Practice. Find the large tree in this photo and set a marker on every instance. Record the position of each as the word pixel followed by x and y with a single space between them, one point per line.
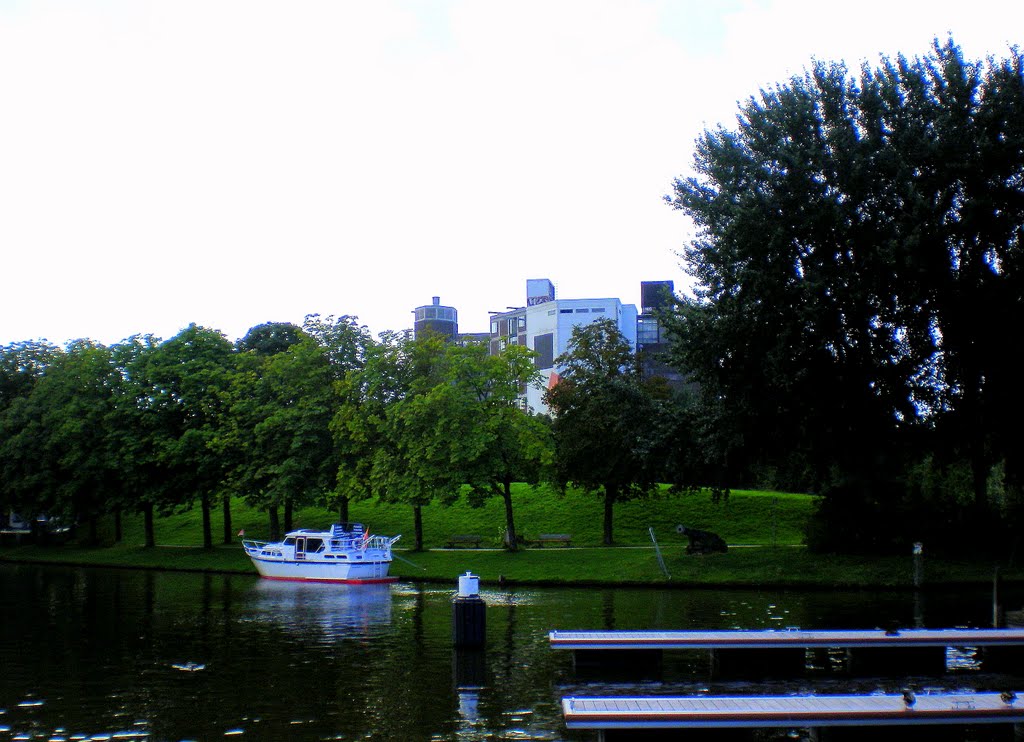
pixel 73 406
pixel 382 435
pixel 22 479
pixel 606 424
pixel 137 428
pixel 245 439
pixel 481 432
pixel 284 394
pixel 185 382
pixel 281 409
pixel 343 343
pixel 858 257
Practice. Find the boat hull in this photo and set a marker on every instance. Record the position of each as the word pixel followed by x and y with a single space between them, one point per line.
pixel 292 571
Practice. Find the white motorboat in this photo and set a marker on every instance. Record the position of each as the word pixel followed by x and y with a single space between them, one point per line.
pixel 346 553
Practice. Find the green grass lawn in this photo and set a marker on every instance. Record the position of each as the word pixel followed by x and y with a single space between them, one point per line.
pixel 745 518
pixel 764 530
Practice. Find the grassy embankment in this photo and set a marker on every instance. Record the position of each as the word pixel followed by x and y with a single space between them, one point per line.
pixel 764 530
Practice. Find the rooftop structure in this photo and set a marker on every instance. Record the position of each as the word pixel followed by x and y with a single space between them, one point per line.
pixel 437 319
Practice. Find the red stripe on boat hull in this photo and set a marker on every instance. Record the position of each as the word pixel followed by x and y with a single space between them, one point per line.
pixel 367 581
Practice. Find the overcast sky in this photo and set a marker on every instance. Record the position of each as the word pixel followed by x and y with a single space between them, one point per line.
pixel 233 163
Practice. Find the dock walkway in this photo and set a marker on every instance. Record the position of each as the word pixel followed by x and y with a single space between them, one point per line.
pixel 667 712
pixel 792 638
pixel 743 653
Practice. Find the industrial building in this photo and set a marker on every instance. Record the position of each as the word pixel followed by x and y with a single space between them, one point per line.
pixel 545 323
pixel 545 326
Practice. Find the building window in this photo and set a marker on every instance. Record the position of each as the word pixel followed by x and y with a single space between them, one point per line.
pixel 582 311
pixel 544 345
pixel 648 331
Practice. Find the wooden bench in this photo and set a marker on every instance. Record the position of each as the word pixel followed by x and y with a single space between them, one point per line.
pixel 464 539
pixel 554 538
pixel 15 535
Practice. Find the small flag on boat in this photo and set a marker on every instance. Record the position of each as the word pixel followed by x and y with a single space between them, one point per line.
pixel 241 532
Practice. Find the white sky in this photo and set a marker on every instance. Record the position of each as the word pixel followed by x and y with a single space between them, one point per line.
pixel 236 162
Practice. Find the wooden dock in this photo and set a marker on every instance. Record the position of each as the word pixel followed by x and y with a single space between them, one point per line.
pixel 783 653
pixel 731 712
pixel 791 638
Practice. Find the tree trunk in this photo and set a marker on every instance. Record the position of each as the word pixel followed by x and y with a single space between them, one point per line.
pixel 511 542
pixel 974 431
pixel 147 516
pixel 118 533
pixel 610 495
pixel 979 477
pixel 275 524
pixel 288 512
pixel 343 509
pixel 227 519
pixel 417 526
pixel 1014 495
pixel 207 530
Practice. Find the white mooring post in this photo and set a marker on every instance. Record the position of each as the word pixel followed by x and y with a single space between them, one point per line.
pixel 469 616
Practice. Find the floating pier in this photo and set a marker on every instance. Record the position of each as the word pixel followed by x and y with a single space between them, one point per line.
pixel 743 653
pixel 613 716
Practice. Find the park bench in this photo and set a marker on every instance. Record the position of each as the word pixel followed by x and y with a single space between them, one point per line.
pixel 564 539
pixel 15 535
pixel 464 539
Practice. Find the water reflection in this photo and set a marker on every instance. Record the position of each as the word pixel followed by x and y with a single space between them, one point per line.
pixel 99 654
pixel 323 611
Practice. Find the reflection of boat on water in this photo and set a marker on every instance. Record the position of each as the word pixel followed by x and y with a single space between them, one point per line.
pixel 345 553
pixel 337 611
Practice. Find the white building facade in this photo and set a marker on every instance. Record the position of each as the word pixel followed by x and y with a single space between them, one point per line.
pixel 545 326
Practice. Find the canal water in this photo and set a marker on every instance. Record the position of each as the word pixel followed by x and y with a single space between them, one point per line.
pixel 92 654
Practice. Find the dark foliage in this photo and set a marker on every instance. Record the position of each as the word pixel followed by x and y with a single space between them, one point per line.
pixel 858 271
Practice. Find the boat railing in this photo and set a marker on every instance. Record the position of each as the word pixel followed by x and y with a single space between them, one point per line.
pixel 361 543
pixel 380 542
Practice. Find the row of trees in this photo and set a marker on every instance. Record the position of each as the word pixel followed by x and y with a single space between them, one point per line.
pixel 320 414
pixel 860 293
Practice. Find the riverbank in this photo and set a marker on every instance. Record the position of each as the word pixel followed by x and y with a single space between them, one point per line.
pixel 764 531
pixel 763 567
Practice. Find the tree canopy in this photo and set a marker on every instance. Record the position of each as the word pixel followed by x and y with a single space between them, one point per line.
pixel 606 419
pixel 857 270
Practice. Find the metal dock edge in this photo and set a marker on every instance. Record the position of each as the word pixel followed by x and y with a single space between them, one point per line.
pixel 654 712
